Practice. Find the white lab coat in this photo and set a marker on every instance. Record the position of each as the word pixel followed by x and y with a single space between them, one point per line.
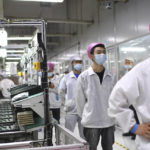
pixel 92 98
pixel 54 101
pixel 67 90
pixel 5 86
pixel 133 88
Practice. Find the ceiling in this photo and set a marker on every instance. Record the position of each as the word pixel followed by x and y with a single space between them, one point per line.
pixel 64 22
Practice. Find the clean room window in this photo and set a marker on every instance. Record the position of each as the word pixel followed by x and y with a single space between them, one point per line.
pixel 138 49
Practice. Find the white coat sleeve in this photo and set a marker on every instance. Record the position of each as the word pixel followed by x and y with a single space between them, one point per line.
pixel 125 93
pixel 80 98
pixel 62 90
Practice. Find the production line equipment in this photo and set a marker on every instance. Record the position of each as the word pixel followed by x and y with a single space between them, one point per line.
pixel 22 115
pixel 28 103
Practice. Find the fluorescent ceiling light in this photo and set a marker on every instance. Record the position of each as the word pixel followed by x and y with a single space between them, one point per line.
pixel 14 55
pixel 9 58
pixel 8 63
pixel 19 38
pixel 48 1
pixel 133 49
pixel 136 43
pixel 15 51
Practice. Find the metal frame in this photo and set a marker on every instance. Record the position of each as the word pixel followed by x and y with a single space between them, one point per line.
pixel 81 144
pixel 68 133
pixel 41 25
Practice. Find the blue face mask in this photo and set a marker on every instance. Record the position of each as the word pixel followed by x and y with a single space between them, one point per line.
pixel 40 74
pixel 50 74
pixel 78 67
pixel 100 59
pixel 127 67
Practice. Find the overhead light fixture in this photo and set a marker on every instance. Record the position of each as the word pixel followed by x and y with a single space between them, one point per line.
pixel 3 53
pixel 133 49
pixel 136 43
pixel 48 1
pixel 15 51
pixel 3 37
pixel 12 58
pixel 8 63
pixel 26 38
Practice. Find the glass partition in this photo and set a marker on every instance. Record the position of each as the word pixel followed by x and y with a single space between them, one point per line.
pixel 112 59
pixel 137 49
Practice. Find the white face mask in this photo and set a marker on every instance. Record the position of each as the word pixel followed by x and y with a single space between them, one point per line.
pixel 127 67
pixel 78 67
pixel 100 59
pixel 50 74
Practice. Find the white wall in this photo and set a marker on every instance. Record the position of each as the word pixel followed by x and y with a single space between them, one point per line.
pixel 123 22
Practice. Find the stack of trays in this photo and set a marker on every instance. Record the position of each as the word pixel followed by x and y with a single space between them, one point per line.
pixel 25 118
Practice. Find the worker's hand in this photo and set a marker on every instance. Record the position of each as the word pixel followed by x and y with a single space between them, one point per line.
pixel 144 130
pixel 51 86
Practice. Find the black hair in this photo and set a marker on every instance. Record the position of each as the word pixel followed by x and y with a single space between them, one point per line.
pixel 99 45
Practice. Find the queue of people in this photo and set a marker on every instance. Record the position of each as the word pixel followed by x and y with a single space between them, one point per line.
pixel 97 102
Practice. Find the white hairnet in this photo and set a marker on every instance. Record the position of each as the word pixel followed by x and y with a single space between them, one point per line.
pixel 66 69
pixel 75 58
pixel 131 59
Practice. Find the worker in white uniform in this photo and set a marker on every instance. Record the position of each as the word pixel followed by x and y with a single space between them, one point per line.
pixel 66 71
pixel 128 65
pixel 133 89
pixel 68 87
pixel 93 89
pixel 54 100
pixel 5 85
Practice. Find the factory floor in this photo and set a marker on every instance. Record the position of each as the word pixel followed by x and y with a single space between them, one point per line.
pixel 121 142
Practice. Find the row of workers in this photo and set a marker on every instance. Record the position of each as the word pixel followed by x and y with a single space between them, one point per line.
pixel 91 99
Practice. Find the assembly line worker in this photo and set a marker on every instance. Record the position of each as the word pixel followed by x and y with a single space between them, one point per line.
pixel 68 87
pixel 93 89
pixel 128 65
pixel 133 89
pixel 5 85
pixel 66 71
pixel 54 100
